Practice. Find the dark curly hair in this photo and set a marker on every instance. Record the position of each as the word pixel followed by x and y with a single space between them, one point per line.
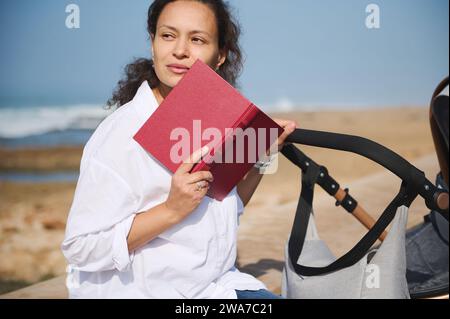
pixel 141 69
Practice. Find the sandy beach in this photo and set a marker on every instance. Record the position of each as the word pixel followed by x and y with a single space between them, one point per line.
pixel 33 216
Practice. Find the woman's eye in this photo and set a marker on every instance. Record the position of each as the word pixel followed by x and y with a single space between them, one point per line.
pixel 167 36
pixel 198 40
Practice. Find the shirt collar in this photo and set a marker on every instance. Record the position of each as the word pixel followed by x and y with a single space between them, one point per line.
pixel 145 100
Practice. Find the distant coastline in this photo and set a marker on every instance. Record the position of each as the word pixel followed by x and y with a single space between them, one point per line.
pixel 55 126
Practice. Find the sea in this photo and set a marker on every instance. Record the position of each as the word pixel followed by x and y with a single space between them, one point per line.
pixel 46 127
pixel 53 126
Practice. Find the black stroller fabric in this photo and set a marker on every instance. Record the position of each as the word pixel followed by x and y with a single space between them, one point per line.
pixel 427 257
pixel 427 244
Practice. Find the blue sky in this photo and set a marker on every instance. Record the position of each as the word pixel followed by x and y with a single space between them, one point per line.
pixel 303 52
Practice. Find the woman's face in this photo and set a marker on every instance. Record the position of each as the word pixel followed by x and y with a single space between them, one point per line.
pixel 186 31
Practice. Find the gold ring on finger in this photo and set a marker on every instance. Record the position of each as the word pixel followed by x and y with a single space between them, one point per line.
pixel 199 186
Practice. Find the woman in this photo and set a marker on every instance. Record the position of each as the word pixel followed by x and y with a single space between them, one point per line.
pixel 135 231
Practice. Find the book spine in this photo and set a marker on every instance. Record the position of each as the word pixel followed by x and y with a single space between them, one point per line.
pixel 243 122
pixel 247 117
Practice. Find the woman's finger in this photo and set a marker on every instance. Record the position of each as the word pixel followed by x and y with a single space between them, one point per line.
pixel 192 160
pixel 200 176
pixel 200 187
pixel 288 130
pixel 285 123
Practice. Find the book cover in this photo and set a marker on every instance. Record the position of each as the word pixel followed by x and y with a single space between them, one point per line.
pixel 204 109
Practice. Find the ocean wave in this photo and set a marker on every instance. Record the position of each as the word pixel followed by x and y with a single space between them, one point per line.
pixel 29 121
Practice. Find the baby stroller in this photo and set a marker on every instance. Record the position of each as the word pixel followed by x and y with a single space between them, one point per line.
pixel 427 244
pixel 414 265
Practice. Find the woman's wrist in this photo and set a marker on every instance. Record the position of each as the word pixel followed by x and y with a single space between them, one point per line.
pixel 173 216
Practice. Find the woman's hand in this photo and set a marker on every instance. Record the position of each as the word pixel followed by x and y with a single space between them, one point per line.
pixel 188 190
pixel 289 127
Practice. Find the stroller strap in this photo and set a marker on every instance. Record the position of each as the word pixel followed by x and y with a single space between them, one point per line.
pixel 435 199
pixel 311 174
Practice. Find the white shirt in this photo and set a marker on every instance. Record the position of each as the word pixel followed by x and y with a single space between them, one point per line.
pixel 119 179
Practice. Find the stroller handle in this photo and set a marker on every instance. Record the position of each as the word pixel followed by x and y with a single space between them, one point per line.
pixel 435 199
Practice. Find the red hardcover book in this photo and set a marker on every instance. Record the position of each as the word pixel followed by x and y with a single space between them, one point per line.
pixel 205 110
